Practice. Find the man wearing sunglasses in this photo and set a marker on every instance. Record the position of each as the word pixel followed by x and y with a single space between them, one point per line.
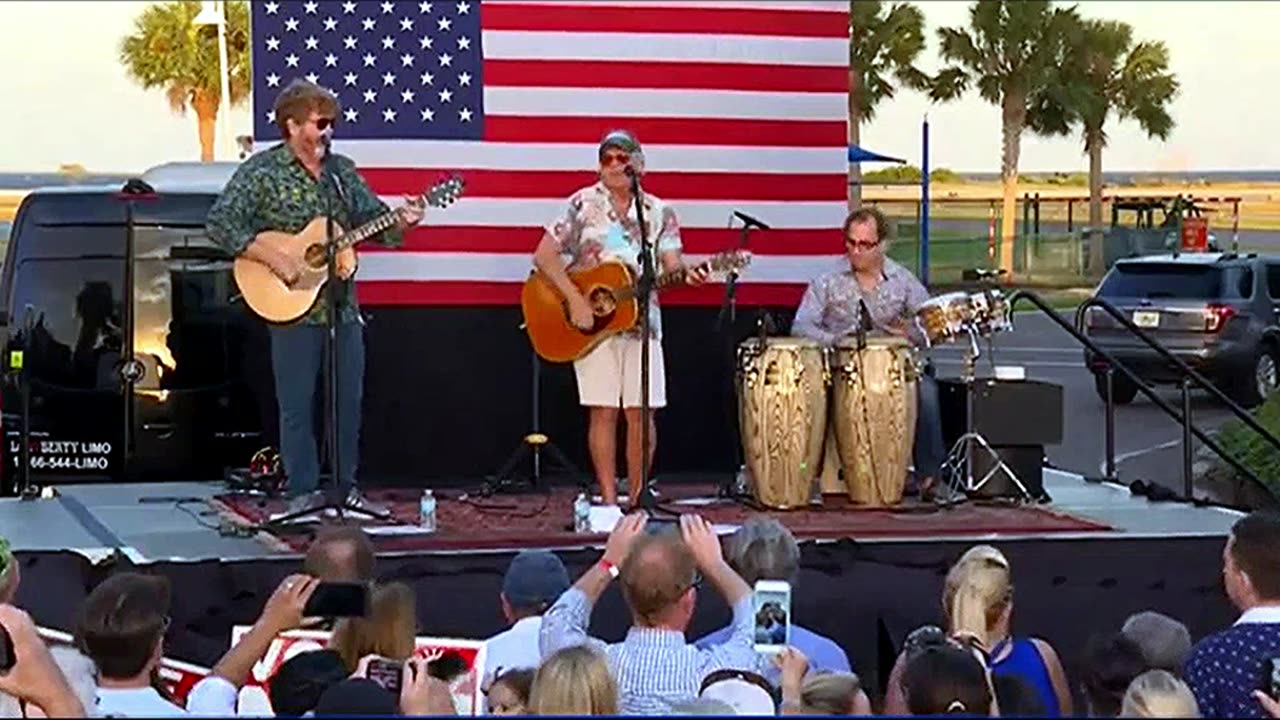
pixel 283 189
pixel 888 295
pixel 600 222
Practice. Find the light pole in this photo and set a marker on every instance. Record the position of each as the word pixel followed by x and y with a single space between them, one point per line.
pixel 212 12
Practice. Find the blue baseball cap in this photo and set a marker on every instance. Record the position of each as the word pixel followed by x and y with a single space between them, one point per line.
pixel 535 578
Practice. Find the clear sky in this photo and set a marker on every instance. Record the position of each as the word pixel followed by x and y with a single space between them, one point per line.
pixel 68 100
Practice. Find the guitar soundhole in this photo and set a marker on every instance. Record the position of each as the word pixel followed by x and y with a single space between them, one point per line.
pixel 315 256
pixel 603 303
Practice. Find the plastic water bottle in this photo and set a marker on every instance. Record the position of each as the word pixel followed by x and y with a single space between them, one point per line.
pixel 427 511
pixel 582 514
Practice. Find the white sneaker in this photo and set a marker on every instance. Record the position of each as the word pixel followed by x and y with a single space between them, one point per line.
pixel 357 500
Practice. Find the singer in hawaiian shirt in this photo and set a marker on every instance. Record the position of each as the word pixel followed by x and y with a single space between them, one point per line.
pixel 601 222
pixel 832 309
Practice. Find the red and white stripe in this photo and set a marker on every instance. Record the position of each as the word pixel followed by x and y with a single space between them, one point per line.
pixel 739 106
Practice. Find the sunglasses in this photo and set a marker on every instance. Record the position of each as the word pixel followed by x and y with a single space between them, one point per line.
pixel 611 158
pixel 861 245
pixel 323 124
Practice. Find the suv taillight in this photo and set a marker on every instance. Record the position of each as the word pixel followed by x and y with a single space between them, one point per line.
pixel 1215 316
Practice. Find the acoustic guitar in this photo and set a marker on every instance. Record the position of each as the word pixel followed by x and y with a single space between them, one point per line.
pixel 610 290
pixel 274 300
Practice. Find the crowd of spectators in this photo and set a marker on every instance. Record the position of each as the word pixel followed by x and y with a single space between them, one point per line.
pixel 547 663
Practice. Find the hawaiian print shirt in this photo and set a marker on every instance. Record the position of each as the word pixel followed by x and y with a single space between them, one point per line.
pixel 589 231
pixel 830 311
pixel 273 191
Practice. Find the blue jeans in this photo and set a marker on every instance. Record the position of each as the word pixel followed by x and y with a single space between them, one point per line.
pixel 299 361
pixel 930 449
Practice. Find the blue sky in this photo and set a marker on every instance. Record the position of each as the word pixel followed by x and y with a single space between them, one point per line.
pixel 73 104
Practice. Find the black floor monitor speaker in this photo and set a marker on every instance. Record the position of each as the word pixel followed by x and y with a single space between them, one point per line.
pixel 1017 418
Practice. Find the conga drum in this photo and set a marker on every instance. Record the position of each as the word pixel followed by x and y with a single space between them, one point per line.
pixel 782 413
pixel 873 399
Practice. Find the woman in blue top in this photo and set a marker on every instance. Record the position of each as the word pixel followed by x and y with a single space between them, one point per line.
pixel 977 600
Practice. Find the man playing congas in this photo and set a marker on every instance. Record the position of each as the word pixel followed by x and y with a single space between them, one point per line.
pixel 832 309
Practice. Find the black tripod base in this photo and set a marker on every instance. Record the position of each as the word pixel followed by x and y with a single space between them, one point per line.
pixel 648 502
pixel 531 447
pixel 341 509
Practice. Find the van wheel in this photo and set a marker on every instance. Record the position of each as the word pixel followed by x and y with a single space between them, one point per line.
pixel 1254 387
pixel 1123 390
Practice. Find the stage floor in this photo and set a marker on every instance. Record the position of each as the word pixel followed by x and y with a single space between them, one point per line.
pixel 181 521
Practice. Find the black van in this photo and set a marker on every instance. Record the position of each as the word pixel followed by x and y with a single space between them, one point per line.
pixel 127 355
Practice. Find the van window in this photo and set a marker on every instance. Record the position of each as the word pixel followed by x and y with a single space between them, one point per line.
pixel 183 314
pixel 74 307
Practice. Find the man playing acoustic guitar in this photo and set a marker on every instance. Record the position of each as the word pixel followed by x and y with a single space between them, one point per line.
pixel 599 222
pixel 283 189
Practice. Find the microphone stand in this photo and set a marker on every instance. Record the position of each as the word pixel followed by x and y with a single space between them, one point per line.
pixel 644 498
pixel 729 312
pixel 25 489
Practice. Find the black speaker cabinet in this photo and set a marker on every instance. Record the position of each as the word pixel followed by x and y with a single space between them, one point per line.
pixel 1017 418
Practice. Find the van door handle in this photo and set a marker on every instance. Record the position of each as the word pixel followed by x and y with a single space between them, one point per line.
pixel 164 430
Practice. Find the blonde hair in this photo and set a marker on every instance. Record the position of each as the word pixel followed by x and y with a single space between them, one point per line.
pixel 388 631
pixel 299 99
pixel 574 681
pixel 1158 694
pixel 830 693
pixel 978 589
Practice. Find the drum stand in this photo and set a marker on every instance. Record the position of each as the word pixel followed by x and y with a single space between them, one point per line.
pixel 958 467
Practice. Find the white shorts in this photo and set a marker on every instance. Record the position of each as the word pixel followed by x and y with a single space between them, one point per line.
pixel 609 376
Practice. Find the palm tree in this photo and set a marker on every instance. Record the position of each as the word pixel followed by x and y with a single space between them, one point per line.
pixel 881 45
pixel 1010 52
pixel 167 50
pixel 1104 72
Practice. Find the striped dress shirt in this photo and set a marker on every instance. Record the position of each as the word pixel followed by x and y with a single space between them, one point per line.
pixel 654 668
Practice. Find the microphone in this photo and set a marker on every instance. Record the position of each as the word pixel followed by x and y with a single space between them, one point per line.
pixel 326 143
pixel 750 220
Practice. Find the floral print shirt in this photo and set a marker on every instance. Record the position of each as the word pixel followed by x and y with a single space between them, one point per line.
pixel 273 191
pixel 830 311
pixel 589 231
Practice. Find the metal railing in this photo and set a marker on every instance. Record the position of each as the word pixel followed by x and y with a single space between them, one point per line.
pixel 1189 429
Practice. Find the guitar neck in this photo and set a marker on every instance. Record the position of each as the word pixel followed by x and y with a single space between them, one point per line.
pixel 386 221
pixel 664 281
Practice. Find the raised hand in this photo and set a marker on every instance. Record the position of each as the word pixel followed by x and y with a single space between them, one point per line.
pixel 35 676
pixel 624 535
pixel 702 542
pixel 284 608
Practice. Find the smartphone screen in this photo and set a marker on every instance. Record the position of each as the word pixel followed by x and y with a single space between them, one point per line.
pixel 1271 683
pixel 338 600
pixel 772 605
pixel 387 673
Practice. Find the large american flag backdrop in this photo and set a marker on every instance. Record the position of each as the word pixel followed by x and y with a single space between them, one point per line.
pixel 738 105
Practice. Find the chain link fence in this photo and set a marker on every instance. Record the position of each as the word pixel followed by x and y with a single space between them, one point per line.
pixel 1051 245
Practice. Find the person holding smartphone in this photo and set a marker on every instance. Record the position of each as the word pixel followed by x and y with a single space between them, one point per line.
pixel 660 572
pixel 764 551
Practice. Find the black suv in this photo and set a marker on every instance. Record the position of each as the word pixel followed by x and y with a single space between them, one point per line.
pixel 121 317
pixel 1214 311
